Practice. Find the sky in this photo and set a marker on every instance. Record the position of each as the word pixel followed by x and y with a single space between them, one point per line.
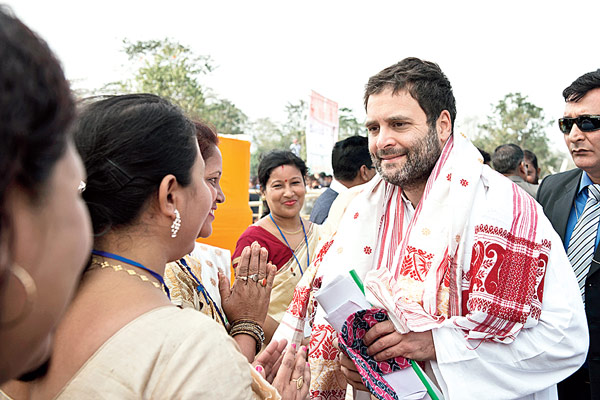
pixel 269 53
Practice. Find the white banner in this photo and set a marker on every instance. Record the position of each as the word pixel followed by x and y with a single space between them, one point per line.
pixel 322 127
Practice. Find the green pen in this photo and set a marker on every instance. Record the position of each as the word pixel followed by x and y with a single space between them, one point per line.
pixel 424 380
pixel 432 393
pixel 357 280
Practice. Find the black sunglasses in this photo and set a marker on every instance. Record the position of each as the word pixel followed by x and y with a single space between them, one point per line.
pixel 585 123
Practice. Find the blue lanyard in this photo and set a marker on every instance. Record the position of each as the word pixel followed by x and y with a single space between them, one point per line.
pixel 290 247
pixel 202 289
pixel 136 264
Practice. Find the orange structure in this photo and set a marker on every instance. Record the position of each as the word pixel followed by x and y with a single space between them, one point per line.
pixel 235 215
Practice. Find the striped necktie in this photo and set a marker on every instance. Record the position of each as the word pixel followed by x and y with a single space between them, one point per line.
pixel 583 239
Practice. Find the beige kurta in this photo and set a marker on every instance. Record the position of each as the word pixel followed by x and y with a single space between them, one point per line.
pixel 168 353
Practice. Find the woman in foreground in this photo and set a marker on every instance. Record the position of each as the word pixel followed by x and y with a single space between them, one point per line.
pixel 122 337
pixel 45 233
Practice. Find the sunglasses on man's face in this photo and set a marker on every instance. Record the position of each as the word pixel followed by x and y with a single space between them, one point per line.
pixel 585 123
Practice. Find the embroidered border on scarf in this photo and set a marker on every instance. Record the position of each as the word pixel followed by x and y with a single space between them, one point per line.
pixel 430 281
pixel 505 281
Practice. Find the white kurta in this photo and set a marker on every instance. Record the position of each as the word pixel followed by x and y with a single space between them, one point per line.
pixel 496 370
pixel 540 356
pixel 526 364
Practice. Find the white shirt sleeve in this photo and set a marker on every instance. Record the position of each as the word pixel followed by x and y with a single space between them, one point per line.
pixel 539 357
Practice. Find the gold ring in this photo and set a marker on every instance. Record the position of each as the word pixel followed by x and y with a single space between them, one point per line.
pixel 263 283
pixel 299 382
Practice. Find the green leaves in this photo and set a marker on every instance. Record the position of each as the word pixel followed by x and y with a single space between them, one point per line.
pixel 516 120
pixel 171 70
pixel 349 125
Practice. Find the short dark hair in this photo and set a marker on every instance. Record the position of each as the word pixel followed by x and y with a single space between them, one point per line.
pixel 423 80
pixel 207 138
pixel 277 158
pixel 36 109
pixel 580 86
pixel 531 157
pixel 486 156
pixel 128 144
pixel 507 157
pixel 348 156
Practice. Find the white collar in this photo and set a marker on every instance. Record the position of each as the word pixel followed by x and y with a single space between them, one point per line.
pixel 337 186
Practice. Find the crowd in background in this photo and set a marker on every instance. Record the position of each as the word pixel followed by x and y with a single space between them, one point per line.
pixel 107 294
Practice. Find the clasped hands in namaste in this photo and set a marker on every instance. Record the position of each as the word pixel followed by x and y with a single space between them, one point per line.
pixel 249 296
pixel 286 369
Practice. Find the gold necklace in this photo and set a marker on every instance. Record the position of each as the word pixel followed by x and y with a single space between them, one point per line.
pixel 131 272
pixel 291 233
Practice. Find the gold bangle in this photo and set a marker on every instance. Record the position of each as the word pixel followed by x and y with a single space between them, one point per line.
pixel 248 327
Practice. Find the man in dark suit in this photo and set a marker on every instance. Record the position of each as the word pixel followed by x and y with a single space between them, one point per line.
pixel 352 166
pixel 569 201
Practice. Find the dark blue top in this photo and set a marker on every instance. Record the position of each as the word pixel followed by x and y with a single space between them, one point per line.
pixel 320 210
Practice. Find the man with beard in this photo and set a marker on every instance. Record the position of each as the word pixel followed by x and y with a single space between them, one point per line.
pixel 458 264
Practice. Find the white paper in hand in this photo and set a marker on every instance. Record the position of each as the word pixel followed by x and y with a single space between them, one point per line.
pixel 339 300
pixel 339 291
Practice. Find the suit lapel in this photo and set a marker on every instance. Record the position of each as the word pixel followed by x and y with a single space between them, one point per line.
pixel 595 262
pixel 563 204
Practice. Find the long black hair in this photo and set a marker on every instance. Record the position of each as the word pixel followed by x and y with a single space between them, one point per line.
pixel 128 144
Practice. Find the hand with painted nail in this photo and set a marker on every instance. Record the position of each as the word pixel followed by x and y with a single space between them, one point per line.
pixel 249 296
pixel 293 377
pixel 270 359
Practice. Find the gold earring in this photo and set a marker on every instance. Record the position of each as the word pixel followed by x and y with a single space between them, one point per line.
pixel 30 290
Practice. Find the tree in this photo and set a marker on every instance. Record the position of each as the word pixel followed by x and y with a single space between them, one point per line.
pixel 295 125
pixel 515 120
pixel 266 136
pixel 171 70
pixel 349 125
pixel 225 116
